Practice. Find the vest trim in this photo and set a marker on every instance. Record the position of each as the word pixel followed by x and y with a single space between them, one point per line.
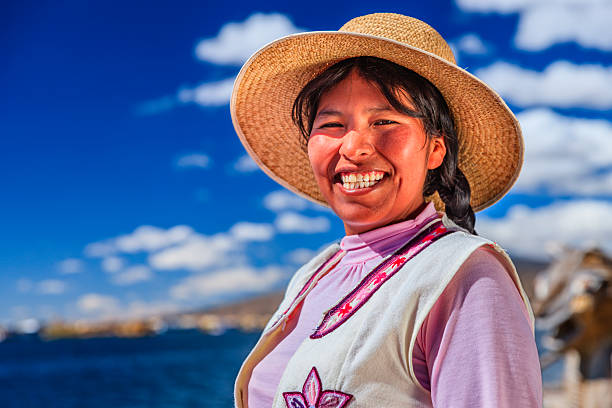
pixel 366 288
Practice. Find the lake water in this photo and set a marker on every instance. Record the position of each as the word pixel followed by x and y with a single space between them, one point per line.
pixel 176 369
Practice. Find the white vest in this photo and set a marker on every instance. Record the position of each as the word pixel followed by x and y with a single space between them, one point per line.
pixel 367 360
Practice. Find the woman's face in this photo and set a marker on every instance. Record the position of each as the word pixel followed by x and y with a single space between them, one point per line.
pixel 369 160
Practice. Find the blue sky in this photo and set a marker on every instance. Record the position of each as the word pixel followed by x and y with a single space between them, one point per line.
pixel 124 189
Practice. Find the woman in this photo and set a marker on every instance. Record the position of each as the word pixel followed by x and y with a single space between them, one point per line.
pixel 412 308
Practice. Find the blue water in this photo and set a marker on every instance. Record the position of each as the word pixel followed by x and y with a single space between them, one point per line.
pixel 176 369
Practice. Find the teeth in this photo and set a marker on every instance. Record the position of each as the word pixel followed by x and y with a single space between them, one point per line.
pixel 353 181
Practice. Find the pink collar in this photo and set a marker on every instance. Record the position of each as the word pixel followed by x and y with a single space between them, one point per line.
pixel 384 240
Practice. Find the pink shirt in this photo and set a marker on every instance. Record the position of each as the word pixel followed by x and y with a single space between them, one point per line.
pixel 475 348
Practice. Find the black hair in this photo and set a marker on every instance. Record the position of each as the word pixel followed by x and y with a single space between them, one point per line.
pixel 394 82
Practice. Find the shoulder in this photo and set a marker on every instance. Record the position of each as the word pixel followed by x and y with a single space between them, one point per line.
pixel 303 275
pixel 482 267
pixel 486 270
pixel 486 282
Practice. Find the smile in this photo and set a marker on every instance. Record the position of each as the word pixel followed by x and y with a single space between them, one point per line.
pixel 355 181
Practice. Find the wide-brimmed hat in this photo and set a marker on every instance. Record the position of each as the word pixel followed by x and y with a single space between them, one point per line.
pixel 490 141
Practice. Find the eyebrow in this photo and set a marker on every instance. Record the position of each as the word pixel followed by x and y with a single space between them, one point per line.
pixel 329 112
pixel 376 109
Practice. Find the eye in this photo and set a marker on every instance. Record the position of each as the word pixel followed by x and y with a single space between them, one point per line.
pixel 330 125
pixel 382 122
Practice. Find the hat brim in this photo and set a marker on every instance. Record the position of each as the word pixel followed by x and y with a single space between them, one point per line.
pixel 490 141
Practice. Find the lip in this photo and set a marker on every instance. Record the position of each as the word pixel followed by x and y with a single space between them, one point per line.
pixel 340 170
pixel 359 191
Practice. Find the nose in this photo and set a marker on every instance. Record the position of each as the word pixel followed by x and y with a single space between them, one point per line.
pixel 356 145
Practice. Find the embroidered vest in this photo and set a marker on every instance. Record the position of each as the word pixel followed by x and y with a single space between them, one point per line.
pixel 361 353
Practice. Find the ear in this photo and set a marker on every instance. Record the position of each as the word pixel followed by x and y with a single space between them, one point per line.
pixel 437 151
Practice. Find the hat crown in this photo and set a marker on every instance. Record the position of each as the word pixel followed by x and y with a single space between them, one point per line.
pixel 407 30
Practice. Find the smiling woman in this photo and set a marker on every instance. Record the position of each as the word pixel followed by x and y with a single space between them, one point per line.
pixel 412 308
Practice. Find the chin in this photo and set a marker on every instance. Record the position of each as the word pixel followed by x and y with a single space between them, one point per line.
pixel 361 220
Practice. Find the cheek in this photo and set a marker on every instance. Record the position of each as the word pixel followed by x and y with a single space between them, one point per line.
pixel 402 150
pixel 321 154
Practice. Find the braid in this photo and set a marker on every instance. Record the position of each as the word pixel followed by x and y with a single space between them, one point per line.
pixel 452 186
pixel 455 194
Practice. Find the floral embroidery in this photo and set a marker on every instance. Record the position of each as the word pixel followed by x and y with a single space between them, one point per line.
pixel 344 310
pixel 312 397
pixel 399 261
pixel 379 278
pixel 375 279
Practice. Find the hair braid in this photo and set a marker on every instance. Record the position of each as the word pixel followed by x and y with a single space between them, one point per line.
pixel 454 190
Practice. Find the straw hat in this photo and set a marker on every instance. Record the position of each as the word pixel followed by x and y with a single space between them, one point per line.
pixel 490 141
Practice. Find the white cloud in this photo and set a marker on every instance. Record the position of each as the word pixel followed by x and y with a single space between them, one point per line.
pixel 562 84
pixel 104 306
pixel 94 303
pixel 193 160
pixel 543 26
pixel 70 266
pixel 526 231
pixel 489 6
pixel 237 41
pixel 284 200
pixel 565 155
pixel 27 326
pixel 227 281
pixel 112 264
pixel 300 256
pixel 100 249
pixel 196 254
pixel 514 6
pixel 139 309
pixel 292 222
pixel 544 23
pixel 249 231
pixel 209 93
pixel 472 44
pixel 233 45
pixel 245 164
pixel 149 238
pixel 51 287
pixel 132 275
pixel 144 238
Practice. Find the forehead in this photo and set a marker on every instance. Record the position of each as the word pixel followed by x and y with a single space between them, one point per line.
pixel 356 91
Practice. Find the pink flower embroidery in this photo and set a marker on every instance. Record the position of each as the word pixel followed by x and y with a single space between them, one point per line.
pixel 345 309
pixel 379 278
pixel 312 397
pixel 397 262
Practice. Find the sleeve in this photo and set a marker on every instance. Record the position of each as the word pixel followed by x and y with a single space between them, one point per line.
pixel 476 347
